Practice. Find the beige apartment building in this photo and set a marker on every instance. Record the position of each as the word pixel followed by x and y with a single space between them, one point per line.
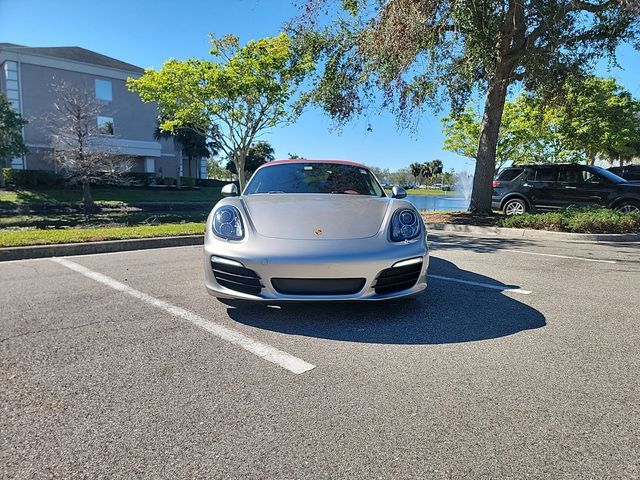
pixel 27 75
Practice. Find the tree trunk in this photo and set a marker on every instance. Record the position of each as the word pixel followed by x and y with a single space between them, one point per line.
pixel 87 198
pixel 178 164
pixel 240 161
pixel 487 145
pixel 621 161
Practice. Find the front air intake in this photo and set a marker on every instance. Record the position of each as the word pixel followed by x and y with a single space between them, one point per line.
pixel 236 278
pixel 396 279
pixel 318 286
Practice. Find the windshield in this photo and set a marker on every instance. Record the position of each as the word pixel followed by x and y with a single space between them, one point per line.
pixel 314 177
pixel 612 177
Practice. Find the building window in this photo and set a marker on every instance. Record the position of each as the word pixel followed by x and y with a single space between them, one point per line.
pixel 105 125
pixel 104 90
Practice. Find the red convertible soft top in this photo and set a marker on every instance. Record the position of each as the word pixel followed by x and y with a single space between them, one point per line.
pixel 307 160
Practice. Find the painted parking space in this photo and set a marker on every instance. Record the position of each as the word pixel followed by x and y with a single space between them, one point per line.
pixel 453 376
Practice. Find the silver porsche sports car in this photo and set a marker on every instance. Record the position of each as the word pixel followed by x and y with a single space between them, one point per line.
pixel 314 230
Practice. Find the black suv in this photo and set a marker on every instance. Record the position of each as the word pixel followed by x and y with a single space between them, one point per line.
pixel 529 188
pixel 630 173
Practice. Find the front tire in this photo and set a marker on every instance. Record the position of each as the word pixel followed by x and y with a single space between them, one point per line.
pixel 514 206
pixel 629 206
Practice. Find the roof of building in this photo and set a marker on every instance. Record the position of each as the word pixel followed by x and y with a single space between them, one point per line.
pixel 76 54
pixel 307 160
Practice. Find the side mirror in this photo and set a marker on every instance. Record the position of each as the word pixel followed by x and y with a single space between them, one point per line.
pixel 398 192
pixel 230 190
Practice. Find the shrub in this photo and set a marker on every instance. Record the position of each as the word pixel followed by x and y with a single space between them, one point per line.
pixel 577 220
pixel 168 181
pixel 31 178
pixel 211 182
pixel 188 181
pixel 49 179
pixel 143 178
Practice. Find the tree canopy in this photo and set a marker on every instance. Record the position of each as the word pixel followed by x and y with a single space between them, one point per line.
pixel 259 153
pixel 418 52
pixel 596 117
pixel 244 90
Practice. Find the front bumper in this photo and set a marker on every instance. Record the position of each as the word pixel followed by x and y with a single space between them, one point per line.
pixel 315 259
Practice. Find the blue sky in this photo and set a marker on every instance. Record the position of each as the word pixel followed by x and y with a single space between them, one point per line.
pixel 147 32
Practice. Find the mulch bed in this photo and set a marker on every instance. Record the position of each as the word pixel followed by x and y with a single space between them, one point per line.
pixel 461 218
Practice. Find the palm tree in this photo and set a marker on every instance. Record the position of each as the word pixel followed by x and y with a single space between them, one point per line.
pixel 193 144
pixel 416 171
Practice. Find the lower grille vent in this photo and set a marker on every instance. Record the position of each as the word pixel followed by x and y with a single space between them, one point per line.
pixel 318 286
pixel 236 278
pixel 396 279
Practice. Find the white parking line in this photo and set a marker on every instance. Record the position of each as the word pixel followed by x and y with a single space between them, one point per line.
pixel 584 259
pixel 484 285
pixel 262 350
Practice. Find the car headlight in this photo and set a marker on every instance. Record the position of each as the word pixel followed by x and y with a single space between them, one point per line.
pixel 405 225
pixel 227 223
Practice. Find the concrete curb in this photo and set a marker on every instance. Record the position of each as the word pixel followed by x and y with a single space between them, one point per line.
pixel 69 249
pixel 533 234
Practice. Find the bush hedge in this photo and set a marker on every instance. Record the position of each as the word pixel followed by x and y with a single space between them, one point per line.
pixel 142 178
pixel 31 178
pixel 188 181
pixel 168 181
pixel 211 182
pixel 577 220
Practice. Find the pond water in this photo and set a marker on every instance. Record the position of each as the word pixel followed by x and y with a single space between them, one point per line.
pixel 438 203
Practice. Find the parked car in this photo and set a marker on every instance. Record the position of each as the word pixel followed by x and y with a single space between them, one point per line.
pixel 530 188
pixel 631 173
pixel 314 230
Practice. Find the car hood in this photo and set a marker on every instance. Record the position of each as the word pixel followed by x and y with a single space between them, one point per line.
pixel 310 216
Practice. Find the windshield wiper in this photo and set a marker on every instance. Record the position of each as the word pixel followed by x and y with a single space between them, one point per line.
pixel 275 191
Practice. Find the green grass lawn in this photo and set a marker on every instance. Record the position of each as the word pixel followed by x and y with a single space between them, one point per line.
pixel 109 219
pixel 16 238
pixel 106 195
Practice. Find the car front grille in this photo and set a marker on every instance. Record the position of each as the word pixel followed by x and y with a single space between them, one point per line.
pixel 396 279
pixel 236 278
pixel 318 286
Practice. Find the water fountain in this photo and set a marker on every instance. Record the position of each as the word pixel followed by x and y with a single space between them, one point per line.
pixel 464 184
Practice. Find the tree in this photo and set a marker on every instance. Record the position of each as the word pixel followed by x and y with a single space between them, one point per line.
pixel 449 178
pixel 401 178
pixel 416 51
pixel 259 153
pixel 245 90
pixel 595 117
pixel 80 148
pixel 432 169
pixel 11 141
pixel 416 170
pixel 215 170
pixel 599 118
pixel 525 135
pixel 192 142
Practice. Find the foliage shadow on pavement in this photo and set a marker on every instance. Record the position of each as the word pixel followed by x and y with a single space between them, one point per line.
pixel 448 312
pixel 475 244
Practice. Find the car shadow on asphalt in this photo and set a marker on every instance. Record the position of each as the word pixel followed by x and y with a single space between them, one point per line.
pixel 475 244
pixel 448 312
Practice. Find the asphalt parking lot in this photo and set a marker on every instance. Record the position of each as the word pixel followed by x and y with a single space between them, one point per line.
pixel 520 360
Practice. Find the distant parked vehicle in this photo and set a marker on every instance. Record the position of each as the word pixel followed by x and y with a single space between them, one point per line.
pixel 631 173
pixel 530 188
